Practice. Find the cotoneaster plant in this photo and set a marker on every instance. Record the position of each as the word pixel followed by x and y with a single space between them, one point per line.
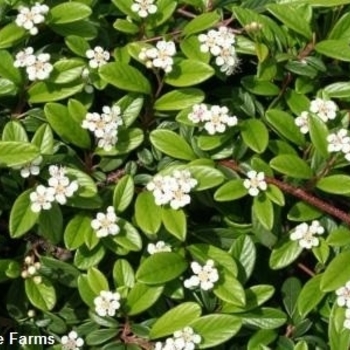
pixel 175 174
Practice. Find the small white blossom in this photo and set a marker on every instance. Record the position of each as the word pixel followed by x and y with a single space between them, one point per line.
pixel 186 339
pixel 198 113
pixel 302 122
pixel 210 42
pixel 144 7
pixel 343 295
pixel 339 141
pixel 25 58
pixel 41 68
pixel 305 234
pixel 42 198
pixel 98 57
pixel 160 56
pixel 255 182
pixel 169 344
pixel 106 224
pixel 31 168
pixel 347 319
pixel 27 18
pixel 107 303
pixel 324 109
pixel 217 119
pixel 204 276
pixel 31 267
pixel 160 246
pixel 71 341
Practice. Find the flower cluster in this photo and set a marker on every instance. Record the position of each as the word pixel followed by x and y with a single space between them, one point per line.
pixel 185 339
pixel 27 18
pixel 160 56
pixel 60 188
pixel 343 300
pixel 339 142
pixel 255 182
pixel 144 7
pixel 323 109
pixel 32 168
pixel 106 224
pixel 204 276
pixel 107 303
pixel 98 57
pixel 172 189
pixel 220 43
pixel 159 247
pixel 104 126
pixel 38 67
pixel 31 268
pixel 71 341
pixel 215 118
pixel 305 234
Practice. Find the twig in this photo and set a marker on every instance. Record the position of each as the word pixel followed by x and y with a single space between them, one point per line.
pixel 306 269
pixel 186 13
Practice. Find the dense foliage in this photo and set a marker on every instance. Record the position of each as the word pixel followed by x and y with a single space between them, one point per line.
pixel 175 174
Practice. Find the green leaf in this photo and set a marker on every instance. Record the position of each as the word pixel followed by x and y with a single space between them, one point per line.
pixel 188 73
pixel 14 131
pixel 175 222
pixel 69 12
pixel 338 90
pixel 291 17
pixel 65 126
pixel 310 296
pixel 255 135
pixel 43 139
pixel 263 210
pixel 190 46
pixel 14 153
pixel 123 274
pixel 210 142
pixel 43 91
pixel 51 224
pixel 125 26
pixel 85 258
pixel 326 3
pixel 265 318
pixel 7 68
pixel 11 34
pixel 85 28
pixel 123 193
pixel 129 238
pixel 77 45
pixel 292 166
pixel 230 191
pixel 215 329
pixel 147 214
pixel 7 88
pixel 229 289
pixel 130 105
pixel 42 295
pixel 341 29
pixel 336 273
pixel 125 77
pixel 259 87
pixel 97 281
pixel 283 123
pixel 338 335
pixel 302 211
pixel 284 254
pixel 66 71
pixel 275 195
pixel 297 102
pixel 336 184
pixel 22 218
pixel 175 319
pixel 160 268
pixel 87 186
pixel 179 99
pixel 74 234
pixel 339 237
pixel 165 10
pixel 172 144
pixel 100 336
pixel 85 291
pixel 201 23
pixel 142 297
pixel 338 49
pixel 318 135
pixel 206 176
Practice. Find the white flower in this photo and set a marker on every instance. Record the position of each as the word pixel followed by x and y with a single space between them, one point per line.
pixel 255 182
pixel 144 7
pixel 302 122
pixel 198 113
pixel 217 119
pixel 180 198
pixel 343 295
pixel 160 246
pixel 41 67
pixel 305 234
pixel 159 56
pixel 184 180
pixel 324 109
pixel 29 17
pixel 107 303
pixel 25 58
pixel 339 141
pixel 30 267
pixel 227 60
pixel 31 168
pixel 347 319
pixel 168 345
pixel 71 341
pixel 105 224
pixel 204 276
pixel 98 57
pixel 42 198
pixel 210 42
pixel 186 339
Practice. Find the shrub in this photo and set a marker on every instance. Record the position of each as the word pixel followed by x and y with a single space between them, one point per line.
pixel 174 174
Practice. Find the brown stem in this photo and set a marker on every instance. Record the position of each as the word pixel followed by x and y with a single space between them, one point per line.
pixel 186 13
pixel 306 269
pixel 299 193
